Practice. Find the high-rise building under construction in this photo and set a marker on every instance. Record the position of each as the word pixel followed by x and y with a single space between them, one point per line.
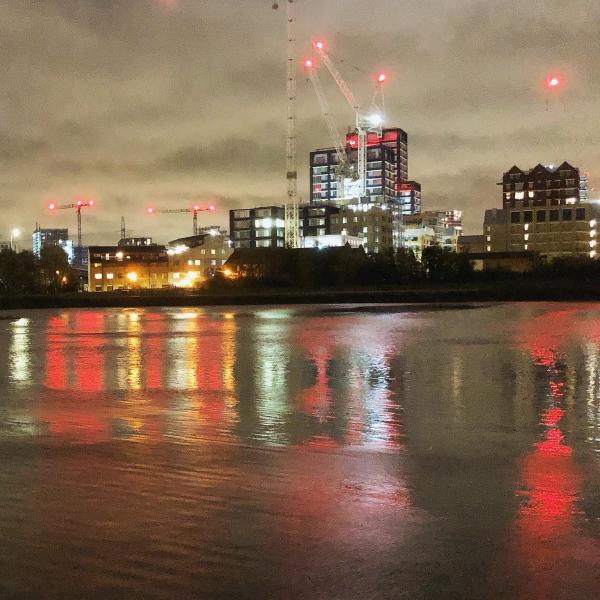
pixel 387 171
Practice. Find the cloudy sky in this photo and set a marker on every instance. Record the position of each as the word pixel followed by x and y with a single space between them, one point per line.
pixel 140 102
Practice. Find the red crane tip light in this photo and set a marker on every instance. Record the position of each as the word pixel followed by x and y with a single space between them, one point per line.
pixel 308 63
pixel 196 207
pixel 79 203
pixel 319 45
pixel 381 77
pixel 211 207
pixel 51 206
pixel 553 82
pixel 91 203
pixel 149 210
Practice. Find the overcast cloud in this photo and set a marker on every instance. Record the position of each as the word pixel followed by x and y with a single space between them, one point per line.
pixel 139 102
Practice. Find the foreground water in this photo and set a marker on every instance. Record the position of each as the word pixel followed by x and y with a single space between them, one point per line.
pixel 315 452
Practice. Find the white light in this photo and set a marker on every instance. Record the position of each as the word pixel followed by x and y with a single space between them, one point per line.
pixel 267 223
pixel 519 195
pixel 375 120
pixel 15 233
pixel 213 232
pixel 526 226
pixel 592 243
pixel 592 253
pixel 119 255
pixel 593 233
pixel 110 276
pixel 593 223
pixel 98 276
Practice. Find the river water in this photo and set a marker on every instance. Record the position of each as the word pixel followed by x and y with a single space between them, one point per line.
pixel 301 452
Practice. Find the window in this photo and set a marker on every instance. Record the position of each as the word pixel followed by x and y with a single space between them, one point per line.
pixel 567 214
pixel 580 214
pixel 263 243
pixel 241 224
pixel 540 216
pixel 110 276
pixel 213 251
pixel 197 262
pixel 527 216
pixel 344 220
pixel 553 215
pixel 241 214
pixel 263 212
pixel 515 217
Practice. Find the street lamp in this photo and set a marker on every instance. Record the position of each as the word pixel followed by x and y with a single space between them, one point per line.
pixel 15 234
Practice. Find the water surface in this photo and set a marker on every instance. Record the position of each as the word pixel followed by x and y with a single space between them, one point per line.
pixel 301 452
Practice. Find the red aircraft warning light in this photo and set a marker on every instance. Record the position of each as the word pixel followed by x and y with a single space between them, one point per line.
pixel 553 82
pixel 318 44
pixel 308 63
pixel 381 77
pixel 149 210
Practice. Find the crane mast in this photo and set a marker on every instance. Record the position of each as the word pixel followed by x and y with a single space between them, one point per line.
pixel 292 221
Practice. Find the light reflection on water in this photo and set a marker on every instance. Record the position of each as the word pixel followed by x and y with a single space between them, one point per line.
pixel 311 440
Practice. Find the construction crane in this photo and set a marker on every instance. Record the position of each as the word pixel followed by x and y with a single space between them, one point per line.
pixel 292 219
pixel 194 210
pixel 364 124
pixel 77 206
pixel 343 168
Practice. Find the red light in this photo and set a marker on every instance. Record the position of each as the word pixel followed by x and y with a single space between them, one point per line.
pixel 51 206
pixel 211 207
pixel 553 81
pixel 308 63
pixel 196 207
pixel 91 203
pixel 381 77
pixel 79 203
pixel 150 210
pixel 319 45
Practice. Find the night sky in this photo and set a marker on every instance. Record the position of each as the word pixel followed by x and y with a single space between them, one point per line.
pixel 140 102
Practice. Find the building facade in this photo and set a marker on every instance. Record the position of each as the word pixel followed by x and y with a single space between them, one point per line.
pixel 46 238
pixel 261 227
pixel 194 259
pixel 543 186
pixel 441 227
pixel 112 268
pixel 550 231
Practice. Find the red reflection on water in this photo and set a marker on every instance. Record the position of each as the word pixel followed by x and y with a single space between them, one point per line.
pixel 56 372
pixel 152 355
pixel 87 355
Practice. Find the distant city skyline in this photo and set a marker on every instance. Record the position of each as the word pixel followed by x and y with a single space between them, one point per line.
pixel 165 102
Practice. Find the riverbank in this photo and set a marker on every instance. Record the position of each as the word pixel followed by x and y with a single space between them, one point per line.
pixel 520 290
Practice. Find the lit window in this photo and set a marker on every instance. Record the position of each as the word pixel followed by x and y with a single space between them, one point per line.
pixel 365 229
pixel 489 238
pixel 592 243
pixel 526 236
pixel 519 195
pixel 526 246
pixel 593 223
pixel 98 276
pixel 344 219
pixel 110 276
pixel 593 233
pixel 531 194
pixel 190 262
pixel 176 275
pixel 197 262
pixel 489 248
pixel 202 251
pixel 213 251
pixel 213 263
pixel 526 226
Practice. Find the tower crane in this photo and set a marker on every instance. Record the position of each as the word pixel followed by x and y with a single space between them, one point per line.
pixel 364 124
pixel 77 206
pixel 194 210
pixel 343 167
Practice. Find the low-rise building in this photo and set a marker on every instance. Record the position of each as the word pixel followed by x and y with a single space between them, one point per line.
pixel 261 227
pixel 416 239
pixel 375 224
pixel 194 259
pixel 470 244
pixel 550 230
pixel 333 240
pixel 514 262
pixel 112 268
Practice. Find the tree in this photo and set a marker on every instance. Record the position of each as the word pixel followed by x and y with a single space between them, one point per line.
pixel 56 272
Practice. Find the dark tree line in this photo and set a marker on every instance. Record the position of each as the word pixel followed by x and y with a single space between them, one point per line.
pixel 24 273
